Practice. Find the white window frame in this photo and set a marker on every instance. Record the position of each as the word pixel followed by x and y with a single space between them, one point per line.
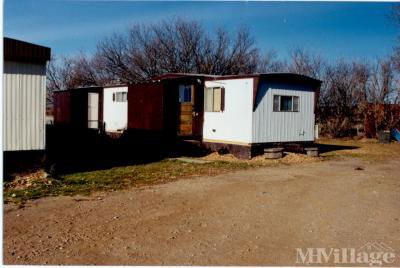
pixel 213 110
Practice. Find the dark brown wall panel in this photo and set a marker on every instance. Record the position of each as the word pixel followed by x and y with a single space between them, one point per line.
pixel 199 110
pixel 145 106
pixel 62 104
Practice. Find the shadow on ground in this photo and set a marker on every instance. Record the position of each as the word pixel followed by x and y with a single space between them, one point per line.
pixel 70 151
pixel 77 150
pixel 326 148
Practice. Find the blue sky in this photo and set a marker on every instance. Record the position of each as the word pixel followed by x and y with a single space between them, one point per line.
pixel 333 29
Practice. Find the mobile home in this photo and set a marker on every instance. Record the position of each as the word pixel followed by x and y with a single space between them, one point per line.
pixel 241 113
pixel 255 111
pixel 100 108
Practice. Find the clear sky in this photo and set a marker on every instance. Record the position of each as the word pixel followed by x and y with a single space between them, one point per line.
pixel 333 29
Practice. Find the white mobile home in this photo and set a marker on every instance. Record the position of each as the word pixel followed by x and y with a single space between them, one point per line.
pixel 240 113
pixel 245 113
pixel 24 95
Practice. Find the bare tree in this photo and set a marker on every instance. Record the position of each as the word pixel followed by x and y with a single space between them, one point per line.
pixel 344 93
pixel 145 51
pixel 72 72
pixel 58 76
pixel 382 88
pixel 306 63
pixel 269 62
pixel 383 97
pixel 176 46
pixel 113 60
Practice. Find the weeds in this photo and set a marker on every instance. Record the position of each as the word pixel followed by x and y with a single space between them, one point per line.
pixel 118 178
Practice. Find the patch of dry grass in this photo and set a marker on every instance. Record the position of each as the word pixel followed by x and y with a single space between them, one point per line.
pixel 368 149
pixel 22 189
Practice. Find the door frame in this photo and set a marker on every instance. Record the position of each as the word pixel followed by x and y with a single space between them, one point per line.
pixel 93 124
pixel 197 101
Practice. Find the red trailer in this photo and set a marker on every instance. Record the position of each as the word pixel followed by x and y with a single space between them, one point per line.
pixel 79 108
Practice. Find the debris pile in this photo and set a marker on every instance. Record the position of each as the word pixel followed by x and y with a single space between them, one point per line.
pixel 288 158
pixel 28 179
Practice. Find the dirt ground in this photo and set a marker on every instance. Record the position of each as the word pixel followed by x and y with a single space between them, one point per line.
pixel 251 217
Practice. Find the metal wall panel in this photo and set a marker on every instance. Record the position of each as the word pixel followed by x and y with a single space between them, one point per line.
pixel 24 106
pixel 270 126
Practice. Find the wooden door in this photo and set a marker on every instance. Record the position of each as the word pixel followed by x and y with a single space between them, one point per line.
pixel 186 101
pixel 186 119
pixel 190 120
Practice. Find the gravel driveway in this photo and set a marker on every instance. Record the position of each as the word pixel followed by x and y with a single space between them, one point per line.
pixel 253 217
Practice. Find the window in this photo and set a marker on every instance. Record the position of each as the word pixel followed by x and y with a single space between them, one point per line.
pixel 295 104
pixel 185 93
pixel 120 96
pixel 286 103
pixel 214 99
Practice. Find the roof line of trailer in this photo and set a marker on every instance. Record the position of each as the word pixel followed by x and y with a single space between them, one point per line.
pixel 182 75
pixel 88 87
pixel 25 42
pixel 171 76
pixel 224 77
pixel 240 76
pixel 116 85
pixel 17 50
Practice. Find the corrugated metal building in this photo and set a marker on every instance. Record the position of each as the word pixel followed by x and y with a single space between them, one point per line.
pixel 24 95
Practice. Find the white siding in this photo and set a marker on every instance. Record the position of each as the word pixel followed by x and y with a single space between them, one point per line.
pixel 24 106
pixel 233 125
pixel 269 126
pixel 115 114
